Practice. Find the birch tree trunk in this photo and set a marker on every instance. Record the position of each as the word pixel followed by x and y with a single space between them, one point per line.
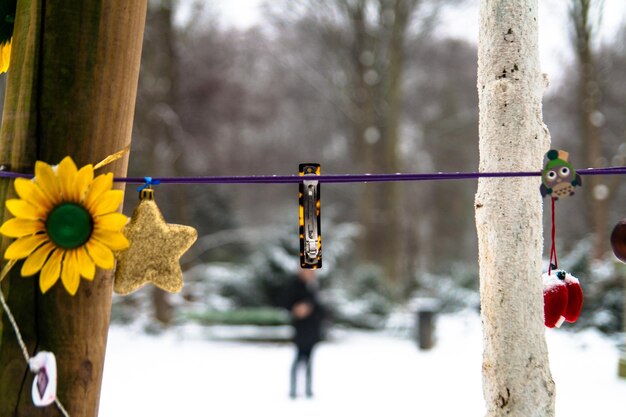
pixel 516 374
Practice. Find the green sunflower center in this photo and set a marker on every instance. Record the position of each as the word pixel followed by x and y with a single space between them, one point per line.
pixel 69 225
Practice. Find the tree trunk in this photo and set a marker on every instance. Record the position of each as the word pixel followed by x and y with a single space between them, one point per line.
pixel 378 62
pixel 596 187
pixel 71 91
pixel 157 125
pixel 516 374
pixel 366 133
pixel 390 200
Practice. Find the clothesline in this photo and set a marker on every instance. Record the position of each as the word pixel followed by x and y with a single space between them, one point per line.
pixel 341 178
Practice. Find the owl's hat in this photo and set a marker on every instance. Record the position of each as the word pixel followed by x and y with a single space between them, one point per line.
pixel 557 157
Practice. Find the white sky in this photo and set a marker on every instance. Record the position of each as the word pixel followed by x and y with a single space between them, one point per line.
pixel 240 13
pixel 462 22
pixel 554 28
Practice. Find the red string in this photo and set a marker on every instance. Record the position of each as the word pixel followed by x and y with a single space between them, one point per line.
pixel 553 248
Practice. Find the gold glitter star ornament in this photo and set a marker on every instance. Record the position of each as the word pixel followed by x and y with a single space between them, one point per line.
pixel 155 250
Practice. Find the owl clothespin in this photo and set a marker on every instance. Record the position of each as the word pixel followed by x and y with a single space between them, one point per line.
pixel 562 293
pixel 310 218
pixel 559 176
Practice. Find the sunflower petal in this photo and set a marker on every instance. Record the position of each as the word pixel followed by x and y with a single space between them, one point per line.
pixel 86 267
pixel 66 171
pixel 51 270
pixel 113 240
pixel 35 261
pixel 99 185
pixel 108 202
pixel 69 273
pixel 84 177
pixel 17 227
pixel 101 255
pixel 5 56
pixel 25 210
pixel 47 181
pixel 24 246
pixel 29 191
pixel 111 221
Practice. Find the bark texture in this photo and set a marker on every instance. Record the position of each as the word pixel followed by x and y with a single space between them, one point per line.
pixel 71 91
pixel 516 375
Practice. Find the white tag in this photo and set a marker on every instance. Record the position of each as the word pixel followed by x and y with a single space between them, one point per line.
pixel 44 366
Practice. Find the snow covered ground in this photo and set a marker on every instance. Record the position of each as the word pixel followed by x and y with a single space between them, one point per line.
pixel 181 373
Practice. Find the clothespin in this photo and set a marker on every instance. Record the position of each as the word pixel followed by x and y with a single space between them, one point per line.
pixel 310 224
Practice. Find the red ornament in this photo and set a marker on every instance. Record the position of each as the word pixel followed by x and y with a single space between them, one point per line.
pixel 554 302
pixel 574 299
pixel 562 298
pixel 618 240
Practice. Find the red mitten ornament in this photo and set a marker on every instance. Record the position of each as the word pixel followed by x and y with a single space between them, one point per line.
pixel 574 298
pixel 562 298
pixel 555 297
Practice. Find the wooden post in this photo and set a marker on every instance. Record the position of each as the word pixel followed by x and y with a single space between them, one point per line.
pixel 71 91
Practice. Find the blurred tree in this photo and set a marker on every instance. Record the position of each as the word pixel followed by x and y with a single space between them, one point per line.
pixel 259 101
pixel 602 280
pixel 597 189
pixel 163 144
pixel 441 109
pixel 564 113
pixel 377 36
pixel 183 75
pixel 226 101
pixel 621 370
pixel 156 119
pixel 366 41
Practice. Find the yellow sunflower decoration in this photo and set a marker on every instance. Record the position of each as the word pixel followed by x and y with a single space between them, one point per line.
pixel 5 56
pixel 7 21
pixel 66 223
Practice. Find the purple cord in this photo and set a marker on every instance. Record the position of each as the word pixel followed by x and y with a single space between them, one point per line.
pixel 342 178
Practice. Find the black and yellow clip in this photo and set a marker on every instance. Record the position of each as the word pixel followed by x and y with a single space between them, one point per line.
pixel 310 219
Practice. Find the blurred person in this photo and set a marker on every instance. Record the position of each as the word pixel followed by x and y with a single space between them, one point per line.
pixel 306 316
